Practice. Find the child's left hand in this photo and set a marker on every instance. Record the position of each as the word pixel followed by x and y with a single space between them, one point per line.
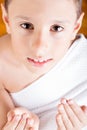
pixel 71 116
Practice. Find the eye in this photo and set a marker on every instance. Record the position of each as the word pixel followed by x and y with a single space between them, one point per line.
pixel 27 26
pixel 56 28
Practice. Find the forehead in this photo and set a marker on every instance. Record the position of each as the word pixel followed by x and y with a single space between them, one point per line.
pixel 43 7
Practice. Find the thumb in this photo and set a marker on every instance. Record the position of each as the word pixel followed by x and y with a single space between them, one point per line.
pixel 10 115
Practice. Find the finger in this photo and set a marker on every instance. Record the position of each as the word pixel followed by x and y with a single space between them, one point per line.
pixel 29 124
pixel 10 115
pixel 78 111
pixel 71 115
pixel 12 124
pixel 22 123
pixel 60 123
pixel 32 123
pixel 35 120
pixel 19 111
pixel 65 118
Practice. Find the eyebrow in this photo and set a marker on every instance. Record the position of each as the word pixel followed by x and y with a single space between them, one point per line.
pixel 22 17
pixel 62 21
pixel 55 21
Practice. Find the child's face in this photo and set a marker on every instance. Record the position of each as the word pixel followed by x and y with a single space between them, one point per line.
pixel 42 31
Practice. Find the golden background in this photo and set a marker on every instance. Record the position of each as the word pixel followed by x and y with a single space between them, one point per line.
pixel 83 29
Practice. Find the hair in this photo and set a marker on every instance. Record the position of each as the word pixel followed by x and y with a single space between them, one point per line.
pixel 6 3
pixel 78 4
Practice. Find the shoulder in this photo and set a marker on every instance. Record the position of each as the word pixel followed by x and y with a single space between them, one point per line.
pixel 4 40
pixel 80 43
pixel 81 39
pixel 4 44
pixel 79 52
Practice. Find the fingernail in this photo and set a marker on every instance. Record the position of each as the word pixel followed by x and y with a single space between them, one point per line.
pixel 70 101
pixel 60 108
pixel 10 115
pixel 17 117
pixel 24 116
pixel 58 116
pixel 9 118
pixel 30 122
pixel 63 100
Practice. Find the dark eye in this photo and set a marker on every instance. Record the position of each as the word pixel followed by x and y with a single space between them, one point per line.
pixel 27 26
pixel 56 28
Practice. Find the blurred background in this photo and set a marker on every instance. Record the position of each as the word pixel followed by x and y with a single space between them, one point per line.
pixel 82 30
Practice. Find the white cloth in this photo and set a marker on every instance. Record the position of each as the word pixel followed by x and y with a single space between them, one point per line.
pixel 85 128
pixel 67 79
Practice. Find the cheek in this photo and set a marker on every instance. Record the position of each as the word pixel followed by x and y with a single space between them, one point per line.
pixel 65 36
pixel 61 46
pixel 19 46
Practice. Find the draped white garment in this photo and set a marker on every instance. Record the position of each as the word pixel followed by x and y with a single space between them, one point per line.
pixel 67 79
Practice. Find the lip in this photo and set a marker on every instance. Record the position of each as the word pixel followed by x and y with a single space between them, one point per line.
pixel 38 63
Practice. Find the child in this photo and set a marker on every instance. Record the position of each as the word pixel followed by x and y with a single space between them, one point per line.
pixel 41 60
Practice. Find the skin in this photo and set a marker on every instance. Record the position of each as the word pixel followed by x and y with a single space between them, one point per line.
pixel 39 35
pixel 21 119
pixel 70 116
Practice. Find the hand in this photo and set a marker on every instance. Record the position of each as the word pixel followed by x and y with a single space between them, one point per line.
pixel 71 116
pixel 21 119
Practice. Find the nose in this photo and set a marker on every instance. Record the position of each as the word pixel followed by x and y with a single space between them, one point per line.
pixel 41 44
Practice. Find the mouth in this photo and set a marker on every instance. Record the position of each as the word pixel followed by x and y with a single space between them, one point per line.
pixel 38 62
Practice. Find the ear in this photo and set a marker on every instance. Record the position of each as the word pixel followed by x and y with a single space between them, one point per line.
pixel 5 18
pixel 78 25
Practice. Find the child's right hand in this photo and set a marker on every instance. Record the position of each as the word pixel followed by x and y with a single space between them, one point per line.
pixel 21 119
